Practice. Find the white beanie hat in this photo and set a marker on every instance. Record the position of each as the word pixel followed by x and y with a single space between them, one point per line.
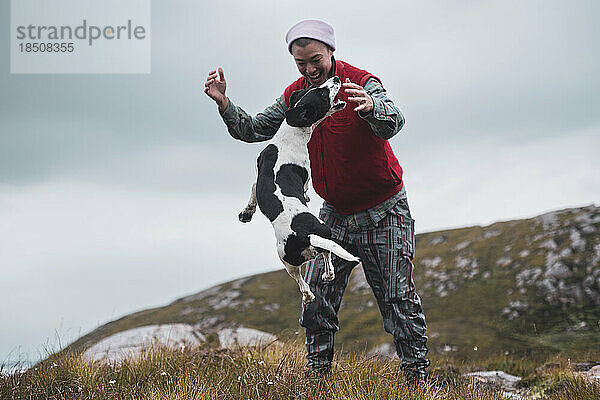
pixel 312 29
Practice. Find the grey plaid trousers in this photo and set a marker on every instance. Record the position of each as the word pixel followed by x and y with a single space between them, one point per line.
pixel 385 244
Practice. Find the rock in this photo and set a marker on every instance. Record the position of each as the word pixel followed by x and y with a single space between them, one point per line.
pixel 491 234
pixel 210 323
pixel 438 240
pixel 237 284
pixel 469 267
pixel 244 337
pixel 431 262
pixel 539 236
pixel 586 221
pixel 589 288
pixel 500 378
pixel 462 245
pixel 557 270
pixel 577 241
pixel 447 348
pixel 547 287
pixel 585 366
pixel 580 325
pixel 223 299
pixel 588 229
pixel 566 252
pixel 462 262
pixel 570 293
pixel 596 255
pixel 524 253
pixel 549 244
pixel 528 277
pixel 548 220
pixel 593 374
pixel 510 314
pixel 504 261
pixel 271 307
pixel 386 351
pixel 134 342
pixel 514 308
pixel 518 304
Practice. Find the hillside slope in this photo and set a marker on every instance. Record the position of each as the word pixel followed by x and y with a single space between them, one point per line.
pixel 515 286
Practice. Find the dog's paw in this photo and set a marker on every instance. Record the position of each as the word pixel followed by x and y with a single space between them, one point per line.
pixel 308 297
pixel 245 216
pixel 328 277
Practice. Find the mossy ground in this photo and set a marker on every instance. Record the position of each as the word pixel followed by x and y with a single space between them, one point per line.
pixel 277 372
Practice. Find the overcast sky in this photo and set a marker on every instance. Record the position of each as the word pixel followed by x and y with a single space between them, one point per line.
pixel 120 192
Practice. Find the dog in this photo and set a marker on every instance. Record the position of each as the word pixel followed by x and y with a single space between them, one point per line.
pixel 282 182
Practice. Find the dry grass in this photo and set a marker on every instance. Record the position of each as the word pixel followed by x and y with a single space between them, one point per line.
pixel 275 372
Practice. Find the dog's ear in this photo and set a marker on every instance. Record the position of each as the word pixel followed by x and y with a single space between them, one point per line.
pixel 301 116
pixel 297 95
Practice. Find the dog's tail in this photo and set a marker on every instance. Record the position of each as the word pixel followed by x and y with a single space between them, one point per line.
pixel 330 245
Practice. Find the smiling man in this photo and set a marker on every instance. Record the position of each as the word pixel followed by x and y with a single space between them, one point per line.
pixel 355 171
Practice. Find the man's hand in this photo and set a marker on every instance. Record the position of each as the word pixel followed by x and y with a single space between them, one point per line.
pixel 215 88
pixel 357 94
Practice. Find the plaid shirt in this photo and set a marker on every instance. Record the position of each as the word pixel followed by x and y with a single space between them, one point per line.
pixel 367 219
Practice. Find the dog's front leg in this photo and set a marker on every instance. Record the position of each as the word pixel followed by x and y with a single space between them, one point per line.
pixel 329 273
pixel 248 212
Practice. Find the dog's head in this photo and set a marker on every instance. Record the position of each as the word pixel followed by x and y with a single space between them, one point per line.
pixel 309 107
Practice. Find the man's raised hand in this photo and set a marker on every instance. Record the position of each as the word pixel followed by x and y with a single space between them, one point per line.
pixel 358 95
pixel 215 88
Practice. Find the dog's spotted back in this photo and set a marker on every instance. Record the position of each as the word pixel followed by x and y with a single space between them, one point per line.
pixel 282 181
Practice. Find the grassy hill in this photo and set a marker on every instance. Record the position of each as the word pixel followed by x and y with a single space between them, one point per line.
pixel 276 373
pixel 528 286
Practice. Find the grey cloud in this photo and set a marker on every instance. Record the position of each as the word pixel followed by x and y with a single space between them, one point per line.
pixel 507 69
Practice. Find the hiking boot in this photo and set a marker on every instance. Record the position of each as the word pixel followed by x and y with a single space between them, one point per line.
pixel 414 377
pixel 317 373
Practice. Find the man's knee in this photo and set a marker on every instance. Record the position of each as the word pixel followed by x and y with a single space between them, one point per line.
pixel 400 283
pixel 319 315
pixel 405 320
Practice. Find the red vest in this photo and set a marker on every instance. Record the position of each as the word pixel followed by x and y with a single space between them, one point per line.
pixel 351 168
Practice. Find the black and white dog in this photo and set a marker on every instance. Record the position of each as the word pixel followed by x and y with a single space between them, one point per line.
pixel 282 181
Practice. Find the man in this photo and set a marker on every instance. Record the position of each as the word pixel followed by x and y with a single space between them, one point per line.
pixel 354 169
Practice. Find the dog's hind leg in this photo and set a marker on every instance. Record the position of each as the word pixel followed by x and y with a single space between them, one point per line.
pixel 248 212
pixel 330 245
pixel 309 253
pixel 294 272
pixel 329 273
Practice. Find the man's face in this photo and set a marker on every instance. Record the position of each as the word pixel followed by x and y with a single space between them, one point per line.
pixel 313 61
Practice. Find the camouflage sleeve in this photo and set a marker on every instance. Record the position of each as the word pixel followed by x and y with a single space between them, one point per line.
pixel 249 129
pixel 385 119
